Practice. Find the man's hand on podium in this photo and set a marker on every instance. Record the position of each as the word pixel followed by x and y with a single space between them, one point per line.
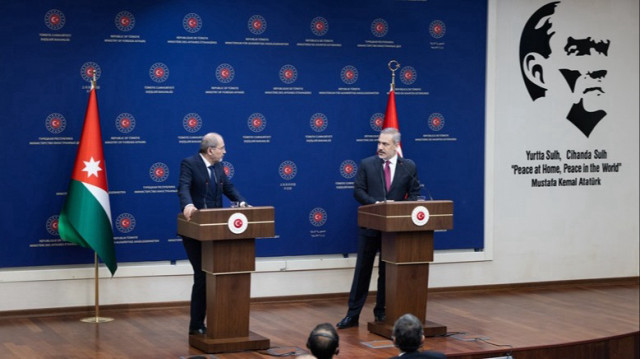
pixel 242 204
pixel 188 211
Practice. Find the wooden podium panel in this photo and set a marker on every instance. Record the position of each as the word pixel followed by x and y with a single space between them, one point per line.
pixel 414 296
pixel 219 317
pixel 406 250
pixel 396 216
pixel 407 247
pixel 228 257
pixel 211 224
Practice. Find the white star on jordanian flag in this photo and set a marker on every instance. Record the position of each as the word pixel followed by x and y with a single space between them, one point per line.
pixel 92 167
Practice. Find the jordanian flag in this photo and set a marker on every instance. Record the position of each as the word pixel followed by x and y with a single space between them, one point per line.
pixel 86 215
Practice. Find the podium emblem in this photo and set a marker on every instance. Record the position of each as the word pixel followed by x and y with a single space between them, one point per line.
pixel 237 223
pixel 420 216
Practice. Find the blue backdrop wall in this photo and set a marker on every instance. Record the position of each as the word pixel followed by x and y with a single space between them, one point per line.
pixel 297 88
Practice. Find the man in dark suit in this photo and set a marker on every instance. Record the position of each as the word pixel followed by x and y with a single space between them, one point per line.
pixel 202 183
pixel 408 336
pixel 384 177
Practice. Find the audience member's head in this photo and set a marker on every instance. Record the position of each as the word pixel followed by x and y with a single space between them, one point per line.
pixel 408 334
pixel 323 341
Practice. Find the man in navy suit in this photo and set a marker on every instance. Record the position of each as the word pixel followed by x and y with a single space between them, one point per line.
pixel 202 183
pixel 408 336
pixel 384 177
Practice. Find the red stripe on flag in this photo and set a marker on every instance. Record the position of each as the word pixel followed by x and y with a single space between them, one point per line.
pixel 90 165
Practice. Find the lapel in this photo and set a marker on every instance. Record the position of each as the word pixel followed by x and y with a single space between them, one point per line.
pixel 396 174
pixel 379 163
pixel 202 168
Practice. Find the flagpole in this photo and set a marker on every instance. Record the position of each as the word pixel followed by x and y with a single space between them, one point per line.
pixel 390 115
pixel 393 66
pixel 94 81
pixel 96 278
pixel 97 318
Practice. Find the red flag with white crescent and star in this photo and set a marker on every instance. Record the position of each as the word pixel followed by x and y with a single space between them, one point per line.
pixel 391 116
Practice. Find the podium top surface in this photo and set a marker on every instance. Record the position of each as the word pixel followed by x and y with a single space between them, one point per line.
pixel 228 223
pixel 407 216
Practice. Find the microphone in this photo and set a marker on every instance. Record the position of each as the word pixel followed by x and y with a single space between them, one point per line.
pixel 415 180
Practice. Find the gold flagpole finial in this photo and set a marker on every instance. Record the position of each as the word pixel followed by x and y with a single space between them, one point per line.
pixel 94 80
pixel 393 66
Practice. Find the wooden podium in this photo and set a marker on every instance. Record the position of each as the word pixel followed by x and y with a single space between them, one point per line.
pixel 407 248
pixel 228 257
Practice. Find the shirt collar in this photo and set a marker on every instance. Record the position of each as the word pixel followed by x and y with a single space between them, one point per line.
pixel 206 163
pixel 392 161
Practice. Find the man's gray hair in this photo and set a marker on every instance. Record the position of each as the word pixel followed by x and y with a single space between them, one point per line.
pixel 209 140
pixel 393 132
pixel 408 333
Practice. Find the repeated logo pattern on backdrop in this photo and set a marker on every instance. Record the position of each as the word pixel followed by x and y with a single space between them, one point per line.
pixel 297 89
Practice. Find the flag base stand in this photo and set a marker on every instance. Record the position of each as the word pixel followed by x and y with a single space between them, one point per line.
pixel 96 320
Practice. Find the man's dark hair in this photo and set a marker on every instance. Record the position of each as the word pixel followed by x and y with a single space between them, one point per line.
pixel 323 341
pixel 408 333
pixel 536 35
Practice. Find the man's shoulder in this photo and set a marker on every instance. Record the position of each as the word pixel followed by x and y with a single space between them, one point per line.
pixel 191 163
pixel 370 160
pixel 192 159
pixel 422 355
pixel 427 354
pixel 406 161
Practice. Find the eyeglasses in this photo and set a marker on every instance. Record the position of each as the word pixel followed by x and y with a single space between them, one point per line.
pixel 218 148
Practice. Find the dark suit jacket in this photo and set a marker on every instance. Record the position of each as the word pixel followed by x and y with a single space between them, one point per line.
pixel 196 187
pixel 421 355
pixel 369 183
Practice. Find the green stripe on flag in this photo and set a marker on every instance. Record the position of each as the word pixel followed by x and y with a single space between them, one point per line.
pixel 84 221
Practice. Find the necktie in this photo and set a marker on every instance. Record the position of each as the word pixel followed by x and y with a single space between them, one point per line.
pixel 211 173
pixel 212 177
pixel 387 175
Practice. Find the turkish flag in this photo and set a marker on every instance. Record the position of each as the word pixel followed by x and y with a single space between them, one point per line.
pixel 391 117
